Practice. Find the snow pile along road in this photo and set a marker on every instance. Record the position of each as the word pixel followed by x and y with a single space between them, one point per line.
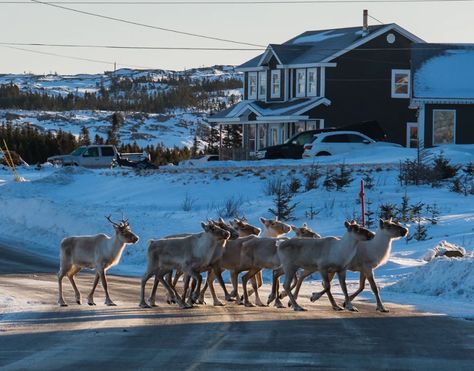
pixel 448 278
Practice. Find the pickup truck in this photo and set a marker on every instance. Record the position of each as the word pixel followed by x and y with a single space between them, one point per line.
pixel 96 156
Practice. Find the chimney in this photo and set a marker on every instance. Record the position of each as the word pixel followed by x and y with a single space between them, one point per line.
pixel 365 27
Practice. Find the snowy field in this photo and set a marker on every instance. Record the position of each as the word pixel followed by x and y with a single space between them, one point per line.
pixel 57 202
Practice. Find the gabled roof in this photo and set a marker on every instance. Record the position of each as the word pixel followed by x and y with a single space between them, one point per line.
pixel 324 45
pixel 268 111
pixel 443 71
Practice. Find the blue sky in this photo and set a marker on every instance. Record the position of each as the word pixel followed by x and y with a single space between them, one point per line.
pixel 259 24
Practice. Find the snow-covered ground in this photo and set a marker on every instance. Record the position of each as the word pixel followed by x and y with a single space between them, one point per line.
pixel 57 202
pixel 175 127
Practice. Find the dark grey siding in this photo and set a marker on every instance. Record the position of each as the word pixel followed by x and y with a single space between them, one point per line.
pixel 464 122
pixel 359 88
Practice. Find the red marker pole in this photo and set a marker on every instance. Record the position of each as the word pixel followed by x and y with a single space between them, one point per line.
pixel 362 201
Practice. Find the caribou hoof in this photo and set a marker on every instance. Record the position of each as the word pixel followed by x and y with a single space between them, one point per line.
pixel 297 308
pixel 279 304
pixel 315 296
pixel 91 303
pixel 110 303
pixel 62 304
pixel 218 303
pixel 270 299
pixel 229 298
pixel 352 309
pixel 79 302
pixel 337 308
pixel 144 305
pixel 249 305
pixel 382 310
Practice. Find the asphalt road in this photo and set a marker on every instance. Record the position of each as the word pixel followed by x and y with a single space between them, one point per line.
pixel 35 334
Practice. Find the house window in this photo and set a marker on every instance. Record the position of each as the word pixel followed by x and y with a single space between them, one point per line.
pixel 311 89
pixel 444 126
pixel 262 137
pixel 252 87
pixel 252 134
pixel 262 84
pixel 276 83
pixel 400 83
pixel 300 82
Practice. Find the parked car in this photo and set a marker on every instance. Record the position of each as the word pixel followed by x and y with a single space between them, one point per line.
pixel 335 142
pixel 294 147
pixel 199 160
pixel 95 156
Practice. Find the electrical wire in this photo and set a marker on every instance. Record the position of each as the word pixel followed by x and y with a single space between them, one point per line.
pixel 271 2
pixel 128 47
pixel 77 58
pixel 145 25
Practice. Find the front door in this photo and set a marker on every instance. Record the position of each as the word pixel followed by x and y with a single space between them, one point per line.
pixel 412 134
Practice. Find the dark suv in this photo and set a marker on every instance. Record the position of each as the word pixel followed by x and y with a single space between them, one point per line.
pixel 294 147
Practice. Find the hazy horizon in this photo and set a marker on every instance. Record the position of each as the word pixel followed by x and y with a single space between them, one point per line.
pixel 261 24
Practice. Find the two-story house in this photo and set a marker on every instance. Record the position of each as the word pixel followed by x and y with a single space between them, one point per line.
pixel 326 78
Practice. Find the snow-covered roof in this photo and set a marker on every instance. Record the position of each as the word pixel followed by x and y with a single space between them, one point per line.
pixel 264 110
pixel 443 71
pixel 323 45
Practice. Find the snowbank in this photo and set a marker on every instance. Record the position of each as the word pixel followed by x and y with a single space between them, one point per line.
pixel 443 277
pixel 441 249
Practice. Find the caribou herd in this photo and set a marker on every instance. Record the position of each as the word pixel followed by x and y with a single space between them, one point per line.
pixel 239 248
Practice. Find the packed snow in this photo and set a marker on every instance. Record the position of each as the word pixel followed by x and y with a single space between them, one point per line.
pixel 57 202
pixel 449 75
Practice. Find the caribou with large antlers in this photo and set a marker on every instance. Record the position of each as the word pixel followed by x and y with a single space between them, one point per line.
pixel 99 252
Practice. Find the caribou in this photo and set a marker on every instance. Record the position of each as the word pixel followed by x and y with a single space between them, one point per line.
pixel 190 254
pixel 99 252
pixel 371 255
pixel 326 255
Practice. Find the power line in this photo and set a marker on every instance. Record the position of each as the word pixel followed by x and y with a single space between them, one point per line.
pixel 75 58
pixel 433 47
pixel 271 2
pixel 144 25
pixel 128 47
pixel 375 19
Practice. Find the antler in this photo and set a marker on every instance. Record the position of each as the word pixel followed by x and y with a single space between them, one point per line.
pixel 113 223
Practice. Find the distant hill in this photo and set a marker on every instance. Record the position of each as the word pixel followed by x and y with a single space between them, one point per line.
pixel 158 106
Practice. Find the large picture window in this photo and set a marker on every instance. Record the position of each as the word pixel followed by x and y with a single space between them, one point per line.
pixel 262 85
pixel 276 84
pixel 312 82
pixel 300 82
pixel 252 87
pixel 400 83
pixel 444 127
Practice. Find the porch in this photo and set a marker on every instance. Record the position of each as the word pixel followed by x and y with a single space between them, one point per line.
pixel 264 124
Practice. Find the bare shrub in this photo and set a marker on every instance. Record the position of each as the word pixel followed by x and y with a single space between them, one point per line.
pixel 188 203
pixel 230 208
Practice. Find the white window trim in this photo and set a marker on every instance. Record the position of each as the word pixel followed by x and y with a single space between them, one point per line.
pixel 254 96
pixel 272 94
pixel 300 94
pixel 264 95
pixel 392 85
pixel 408 138
pixel 315 93
pixel 433 128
